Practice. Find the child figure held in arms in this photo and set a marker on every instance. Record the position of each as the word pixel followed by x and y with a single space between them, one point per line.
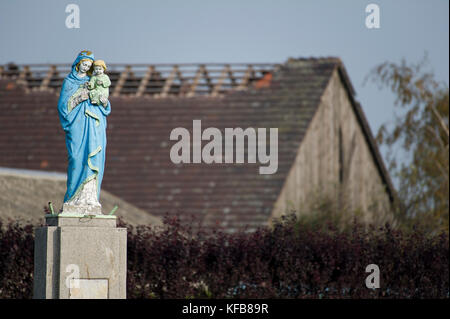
pixel 99 83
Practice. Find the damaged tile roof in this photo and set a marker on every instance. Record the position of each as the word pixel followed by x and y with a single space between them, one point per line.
pixel 138 167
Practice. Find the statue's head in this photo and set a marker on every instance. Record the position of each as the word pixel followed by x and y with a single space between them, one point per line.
pixel 84 66
pixel 99 67
pixel 83 62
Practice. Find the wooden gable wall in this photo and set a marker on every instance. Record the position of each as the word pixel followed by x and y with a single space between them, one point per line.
pixel 334 163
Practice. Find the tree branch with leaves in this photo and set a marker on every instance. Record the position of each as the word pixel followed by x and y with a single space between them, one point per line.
pixel 422 131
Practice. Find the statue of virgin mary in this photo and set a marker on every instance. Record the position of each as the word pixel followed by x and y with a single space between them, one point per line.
pixel 84 125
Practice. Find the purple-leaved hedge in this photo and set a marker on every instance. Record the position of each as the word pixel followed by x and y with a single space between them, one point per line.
pixel 288 261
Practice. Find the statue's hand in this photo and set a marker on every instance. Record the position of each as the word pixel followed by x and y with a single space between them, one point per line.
pixel 76 101
pixel 84 95
pixel 103 100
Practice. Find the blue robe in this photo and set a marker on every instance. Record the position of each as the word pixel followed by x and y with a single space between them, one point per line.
pixel 85 128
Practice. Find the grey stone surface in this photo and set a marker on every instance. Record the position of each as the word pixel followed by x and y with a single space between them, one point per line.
pixel 72 250
pixel 46 258
pixel 88 289
pixel 81 221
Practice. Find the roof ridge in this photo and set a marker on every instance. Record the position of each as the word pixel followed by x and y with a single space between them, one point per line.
pixel 334 59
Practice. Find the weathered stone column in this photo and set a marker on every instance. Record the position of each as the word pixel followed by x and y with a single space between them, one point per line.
pixel 80 257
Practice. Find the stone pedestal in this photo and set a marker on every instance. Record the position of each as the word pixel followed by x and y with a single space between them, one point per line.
pixel 80 257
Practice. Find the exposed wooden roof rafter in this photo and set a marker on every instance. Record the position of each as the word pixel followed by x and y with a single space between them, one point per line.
pixel 156 80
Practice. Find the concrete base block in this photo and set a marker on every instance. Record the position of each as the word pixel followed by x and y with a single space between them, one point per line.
pixel 80 257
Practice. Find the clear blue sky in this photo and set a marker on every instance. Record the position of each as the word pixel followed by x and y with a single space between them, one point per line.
pixel 172 31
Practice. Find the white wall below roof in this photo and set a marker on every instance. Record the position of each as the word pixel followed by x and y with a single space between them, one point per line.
pixel 32 173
